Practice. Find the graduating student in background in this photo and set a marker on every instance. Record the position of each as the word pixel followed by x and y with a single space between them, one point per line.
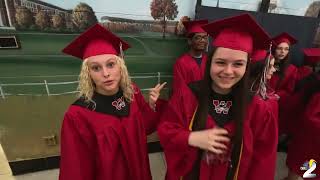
pixel 304 144
pixel 261 71
pixel 284 79
pixel 215 129
pixel 191 65
pixel 104 132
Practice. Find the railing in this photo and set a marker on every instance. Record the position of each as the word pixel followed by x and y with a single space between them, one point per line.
pixel 46 85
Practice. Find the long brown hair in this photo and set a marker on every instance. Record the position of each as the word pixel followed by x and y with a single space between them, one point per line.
pixel 241 98
pixel 283 65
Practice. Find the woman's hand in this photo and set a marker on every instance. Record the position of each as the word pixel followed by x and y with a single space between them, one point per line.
pixel 154 94
pixel 213 140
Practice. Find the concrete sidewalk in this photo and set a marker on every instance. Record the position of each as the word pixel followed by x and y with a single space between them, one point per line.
pixel 158 169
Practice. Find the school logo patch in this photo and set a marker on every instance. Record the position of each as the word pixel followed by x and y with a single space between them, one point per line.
pixel 119 103
pixel 222 106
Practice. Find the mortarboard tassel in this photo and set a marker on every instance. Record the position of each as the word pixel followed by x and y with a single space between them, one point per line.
pixel 121 51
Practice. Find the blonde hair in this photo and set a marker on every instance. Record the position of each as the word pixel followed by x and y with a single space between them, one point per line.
pixel 87 87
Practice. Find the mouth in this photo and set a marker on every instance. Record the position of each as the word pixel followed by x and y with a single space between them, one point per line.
pixel 108 83
pixel 226 79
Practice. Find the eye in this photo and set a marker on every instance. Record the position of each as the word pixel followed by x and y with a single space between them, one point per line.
pixel 220 62
pixel 238 64
pixel 110 64
pixel 96 68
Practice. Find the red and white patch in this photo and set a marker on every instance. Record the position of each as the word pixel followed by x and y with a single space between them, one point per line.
pixel 222 106
pixel 119 103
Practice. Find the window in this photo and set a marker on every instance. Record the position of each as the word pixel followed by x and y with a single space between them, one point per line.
pixel 9 42
pixel 249 5
pixel 290 7
pixel 297 8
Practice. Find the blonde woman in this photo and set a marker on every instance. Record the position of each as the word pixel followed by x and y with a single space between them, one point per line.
pixel 104 132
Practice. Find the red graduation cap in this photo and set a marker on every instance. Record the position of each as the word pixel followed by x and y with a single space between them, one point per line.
pixel 258 55
pixel 195 26
pixel 97 40
pixel 312 55
pixel 284 37
pixel 240 32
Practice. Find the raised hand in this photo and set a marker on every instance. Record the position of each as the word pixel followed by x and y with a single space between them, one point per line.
pixel 154 94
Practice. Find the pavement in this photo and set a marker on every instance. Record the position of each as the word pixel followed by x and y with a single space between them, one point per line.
pixel 158 169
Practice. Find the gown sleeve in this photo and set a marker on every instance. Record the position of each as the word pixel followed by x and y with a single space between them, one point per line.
pixel 287 88
pixel 265 140
pixel 174 132
pixel 150 117
pixel 178 77
pixel 77 160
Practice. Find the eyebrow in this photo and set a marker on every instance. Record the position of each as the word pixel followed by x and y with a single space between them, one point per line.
pixel 239 60
pixel 97 62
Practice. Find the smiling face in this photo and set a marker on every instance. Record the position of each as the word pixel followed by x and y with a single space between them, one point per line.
pixel 199 41
pixel 105 72
pixel 228 66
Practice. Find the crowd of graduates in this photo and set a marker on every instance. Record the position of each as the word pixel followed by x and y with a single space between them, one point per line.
pixel 228 107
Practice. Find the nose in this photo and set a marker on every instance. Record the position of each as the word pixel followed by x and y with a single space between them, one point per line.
pixel 106 72
pixel 228 69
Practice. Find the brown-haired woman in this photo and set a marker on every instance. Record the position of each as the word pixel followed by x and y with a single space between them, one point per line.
pixel 214 129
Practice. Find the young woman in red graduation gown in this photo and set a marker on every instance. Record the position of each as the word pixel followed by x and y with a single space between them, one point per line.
pixel 191 65
pixel 284 80
pixel 261 71
pixel 304 144
pixel 104 132
pixel 212 129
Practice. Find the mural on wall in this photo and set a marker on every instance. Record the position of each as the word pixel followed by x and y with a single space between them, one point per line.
pixel 38 82
pixel 42 28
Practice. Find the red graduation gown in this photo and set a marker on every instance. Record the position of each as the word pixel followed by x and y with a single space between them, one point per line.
pixel 305 142
pixel 284 89
pixel 303 72
pixel 260 140
pixel 99 146
pixel 186 70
